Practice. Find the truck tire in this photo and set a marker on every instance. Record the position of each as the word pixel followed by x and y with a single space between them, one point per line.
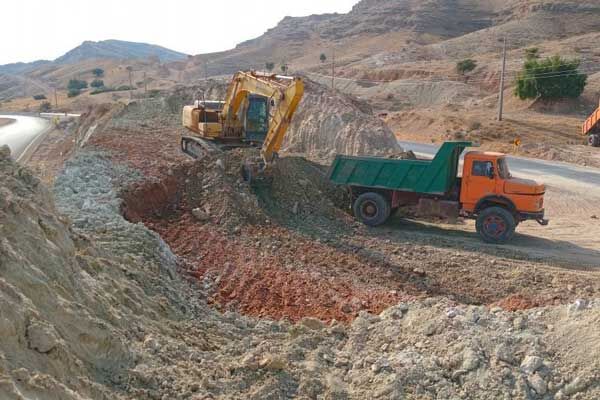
pixel 371 209
pixel 594 140
pixel 495 225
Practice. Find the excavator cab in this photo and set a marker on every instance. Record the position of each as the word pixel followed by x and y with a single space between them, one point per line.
pixel 256 121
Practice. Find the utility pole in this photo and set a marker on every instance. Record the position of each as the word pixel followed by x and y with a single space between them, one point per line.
pixel 333 69
pixel 501 97
pixel 145 84
pixel 205 71
pixel 55 99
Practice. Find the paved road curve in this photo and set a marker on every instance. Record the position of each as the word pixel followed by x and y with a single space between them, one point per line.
pixel 21 133
pixel 550 172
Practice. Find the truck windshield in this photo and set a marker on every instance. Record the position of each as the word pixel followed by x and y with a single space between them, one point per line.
pixel 503 171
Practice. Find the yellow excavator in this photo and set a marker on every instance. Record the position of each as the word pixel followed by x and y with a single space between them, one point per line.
pixel 256 112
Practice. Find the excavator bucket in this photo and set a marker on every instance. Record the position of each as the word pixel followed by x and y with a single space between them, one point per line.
pixel 256 173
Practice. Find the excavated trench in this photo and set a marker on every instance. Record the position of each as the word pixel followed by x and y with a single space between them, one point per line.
pixel 257 250
pixel 291 251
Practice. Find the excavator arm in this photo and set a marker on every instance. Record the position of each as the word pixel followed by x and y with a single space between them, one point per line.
pixel 284 94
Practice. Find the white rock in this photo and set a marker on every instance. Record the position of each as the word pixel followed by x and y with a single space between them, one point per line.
pixel 41 337
pixel 538 384
pixel 580 304
pixel 531 364
pixel 577 385
pixel 200 215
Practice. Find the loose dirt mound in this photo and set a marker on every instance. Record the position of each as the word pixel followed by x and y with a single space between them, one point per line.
pixel 212 190
pixel 329 122
pixel 326 122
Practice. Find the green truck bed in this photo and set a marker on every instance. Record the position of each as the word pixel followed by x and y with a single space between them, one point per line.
pixel 436 176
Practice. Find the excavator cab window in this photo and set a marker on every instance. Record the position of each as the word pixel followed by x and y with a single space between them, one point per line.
pixel 257 119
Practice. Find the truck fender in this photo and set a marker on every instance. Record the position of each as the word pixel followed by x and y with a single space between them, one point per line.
pixel 489 201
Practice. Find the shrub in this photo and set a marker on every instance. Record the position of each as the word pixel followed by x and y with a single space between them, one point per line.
pixel 73 92
pixel 464 66
pixel 97 83
pixel 270 66
pixel 77 84
pixel 551 78
pixel 323 57
pixel 39 97
pixel 98 72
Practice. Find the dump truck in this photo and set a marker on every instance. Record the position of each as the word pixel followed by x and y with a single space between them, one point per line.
pixel 591 128
pixel 484 191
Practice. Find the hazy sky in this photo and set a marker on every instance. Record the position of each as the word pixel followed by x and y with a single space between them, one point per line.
pixel 44 29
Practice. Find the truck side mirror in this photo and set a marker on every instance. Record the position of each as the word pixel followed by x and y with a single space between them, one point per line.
pixel 490 172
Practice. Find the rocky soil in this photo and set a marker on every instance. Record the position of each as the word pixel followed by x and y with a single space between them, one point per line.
pixel 146 275
pixel 90 317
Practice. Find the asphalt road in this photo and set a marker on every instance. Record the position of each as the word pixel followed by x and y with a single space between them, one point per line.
pixel 22 133
pixel 552 173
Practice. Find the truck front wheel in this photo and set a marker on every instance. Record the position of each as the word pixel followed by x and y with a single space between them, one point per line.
pixel 371 209
pixel 495 225
pixel 594 140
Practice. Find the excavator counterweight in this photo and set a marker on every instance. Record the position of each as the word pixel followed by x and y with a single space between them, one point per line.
pixel 256 112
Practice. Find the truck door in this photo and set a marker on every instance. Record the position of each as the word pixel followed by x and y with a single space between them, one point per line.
pixel 482 180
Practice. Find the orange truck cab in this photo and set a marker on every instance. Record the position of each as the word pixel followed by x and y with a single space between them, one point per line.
pixel 498 201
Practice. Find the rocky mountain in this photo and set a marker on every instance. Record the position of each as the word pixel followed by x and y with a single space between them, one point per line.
pixel 105 49
pixel 118 49
pixel 409 30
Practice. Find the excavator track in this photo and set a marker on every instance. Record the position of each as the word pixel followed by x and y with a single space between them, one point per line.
pixel 253 170
pixel 199 148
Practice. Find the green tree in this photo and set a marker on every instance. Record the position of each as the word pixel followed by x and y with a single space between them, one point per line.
pixel 270 66
pixel 551 78
pixel 465 66
pixel 532 53
pixel 97 83
pixel 98 72
pixel 77 84
pixel 323 57
pixel 284 68
pixel 73 92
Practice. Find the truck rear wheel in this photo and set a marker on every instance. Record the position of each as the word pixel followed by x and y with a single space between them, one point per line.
pixel 371 209
pixel 594 140
pixel 495 225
